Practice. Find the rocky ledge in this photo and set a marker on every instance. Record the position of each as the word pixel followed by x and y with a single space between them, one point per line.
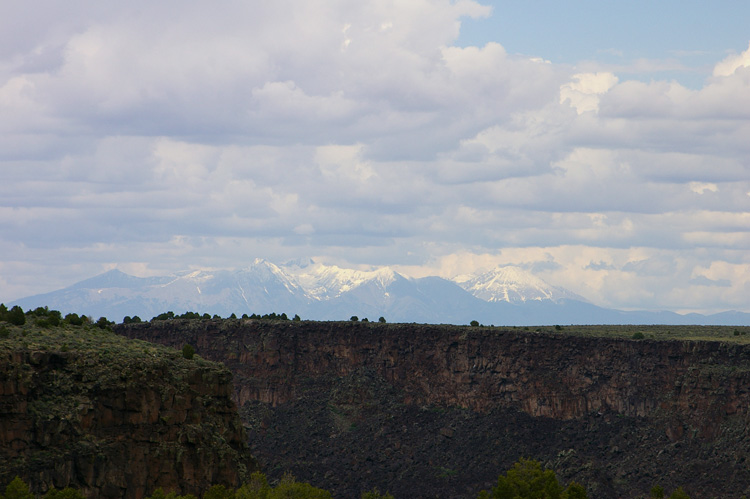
pixel 88 409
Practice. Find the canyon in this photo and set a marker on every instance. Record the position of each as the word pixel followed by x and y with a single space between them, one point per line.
pixel 439 411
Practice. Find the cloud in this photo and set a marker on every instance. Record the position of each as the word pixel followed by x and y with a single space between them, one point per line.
pixel 705 281
pixel 599 266
pixel 583 91
pixel 702 187
pixel 163 136
pixel 620 278
pixel 732 63
pixel 651 267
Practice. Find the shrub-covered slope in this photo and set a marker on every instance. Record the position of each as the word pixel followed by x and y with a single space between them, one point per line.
pixel 82 407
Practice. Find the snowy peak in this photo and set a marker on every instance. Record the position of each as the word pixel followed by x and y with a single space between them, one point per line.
pixel 385 276
pixel 263 271
pixel 513 285
pixel 263 279
pixel 324 282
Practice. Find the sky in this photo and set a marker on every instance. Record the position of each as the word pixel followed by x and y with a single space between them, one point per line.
pixel 603 146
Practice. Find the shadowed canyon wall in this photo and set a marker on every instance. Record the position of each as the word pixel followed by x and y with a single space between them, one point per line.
pixel 542 374
pixel 612 401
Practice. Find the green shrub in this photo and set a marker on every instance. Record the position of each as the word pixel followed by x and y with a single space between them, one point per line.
pixel 160 494
pixel 164 317
pixel 48 318
pixel 679 494
pixel 638 336
pixel 375 494
pixel 657 492
pixel 354 318
pixel 218 492
pixel 188 352
pixel 66 493
pixel 102 323
pixel 474 323
pixel 382 320
pixel 39 312
pixel 17 489
pixel 256 488
pixel 527 480
pixel 74 320
pixel 16 316
pixel 288 488
pixel 43 323
pixel 574 491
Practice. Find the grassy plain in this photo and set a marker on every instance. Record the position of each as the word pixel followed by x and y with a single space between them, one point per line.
pixel 730 334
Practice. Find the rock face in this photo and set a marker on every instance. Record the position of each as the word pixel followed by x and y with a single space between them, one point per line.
pixel 619 415
pixel 116 418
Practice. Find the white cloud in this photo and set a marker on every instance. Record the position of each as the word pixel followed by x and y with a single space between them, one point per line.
pixel 583 92
pixel 732 63
pixel 701 187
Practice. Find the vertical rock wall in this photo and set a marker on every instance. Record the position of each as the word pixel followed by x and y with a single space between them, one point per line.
pixel 543 374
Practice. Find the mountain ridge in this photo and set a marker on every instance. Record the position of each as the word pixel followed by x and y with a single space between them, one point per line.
pixel 505 295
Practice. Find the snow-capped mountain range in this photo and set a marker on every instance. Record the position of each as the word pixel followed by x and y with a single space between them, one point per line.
pixel 502 296
pixel 513 285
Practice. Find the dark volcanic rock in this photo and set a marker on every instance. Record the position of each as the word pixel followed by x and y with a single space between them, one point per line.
pixel 440 411
pixel 115 418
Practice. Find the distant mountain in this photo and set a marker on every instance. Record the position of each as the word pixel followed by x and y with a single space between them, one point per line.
pixel 323 282
pixel 259 288
pixel 338 293
pixel 502 296
pixel 513 285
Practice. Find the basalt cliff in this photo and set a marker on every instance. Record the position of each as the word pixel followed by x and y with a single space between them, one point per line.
pixel 440 411
pixel 115 418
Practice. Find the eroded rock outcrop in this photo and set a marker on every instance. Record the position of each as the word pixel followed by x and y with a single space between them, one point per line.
pixel 115 418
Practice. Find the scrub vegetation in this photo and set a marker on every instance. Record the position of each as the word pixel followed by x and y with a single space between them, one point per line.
pixel 525 480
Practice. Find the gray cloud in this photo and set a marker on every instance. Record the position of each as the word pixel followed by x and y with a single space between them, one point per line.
pixel 599 266
pixel 705 281
pixel 159 137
